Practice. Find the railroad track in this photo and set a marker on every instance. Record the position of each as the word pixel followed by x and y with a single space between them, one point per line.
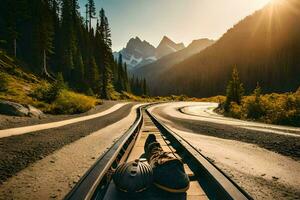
pixel 206 180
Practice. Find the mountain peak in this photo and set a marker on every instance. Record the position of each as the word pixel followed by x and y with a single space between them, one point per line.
pixel 134 40
pixel 200 42
pixel 136 51
pixel 140 52
pixel 166 40
pixel 167 46
pixel 137 38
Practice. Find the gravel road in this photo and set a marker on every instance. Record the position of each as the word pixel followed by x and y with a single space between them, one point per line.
pixel 18 152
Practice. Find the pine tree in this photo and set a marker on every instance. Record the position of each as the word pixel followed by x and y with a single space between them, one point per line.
pixel 108 60
pixel 87 16
pixel 12 25
pixel 257 93
pixel 79 70
pixel 51 37
pixel 14 13
pixel 107 36
pixel 120 85
pixel 91 12
pixel 68 39
pixel 255 109
pixel 145 89
pixel 54 57
pixel 235 90
pixel 92 75
pixel 126 80
pixel 45 32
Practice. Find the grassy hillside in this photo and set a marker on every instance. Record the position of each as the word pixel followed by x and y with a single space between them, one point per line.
pixel 265 47
pixel 23 87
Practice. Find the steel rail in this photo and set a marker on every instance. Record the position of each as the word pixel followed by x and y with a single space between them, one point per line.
pixel 217 184
pixel 95 181
pixel 94 184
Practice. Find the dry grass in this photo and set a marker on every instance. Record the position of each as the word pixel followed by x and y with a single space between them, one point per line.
pixel 71 103
pixel 272 108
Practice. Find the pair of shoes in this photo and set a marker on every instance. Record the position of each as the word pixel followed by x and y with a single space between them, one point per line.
pixel 168 171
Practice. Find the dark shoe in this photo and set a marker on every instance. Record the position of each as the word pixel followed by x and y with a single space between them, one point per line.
pixel 169 174
pixel 151 149
pixel 171 177
pixel 150 139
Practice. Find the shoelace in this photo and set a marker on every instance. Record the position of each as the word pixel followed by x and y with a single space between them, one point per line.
pixel 159 157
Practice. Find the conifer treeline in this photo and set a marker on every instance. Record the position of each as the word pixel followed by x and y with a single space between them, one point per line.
pixel 134 85
pixel 51 36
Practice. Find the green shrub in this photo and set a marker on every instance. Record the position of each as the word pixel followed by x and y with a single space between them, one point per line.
pixel 49 92
pixel 254 109
pixel 283 109
pixel 235 110
pixel 41 91
pixel 3 82
pixel 90 92
pixel 291 110
pixel 71 103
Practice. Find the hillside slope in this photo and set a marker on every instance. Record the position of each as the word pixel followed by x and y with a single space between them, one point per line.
pixel 265 47
pixel 163 64
pixel 16 84
pixel 21 86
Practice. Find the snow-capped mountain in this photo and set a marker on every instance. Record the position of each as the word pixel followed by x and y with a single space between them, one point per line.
pixel 138 53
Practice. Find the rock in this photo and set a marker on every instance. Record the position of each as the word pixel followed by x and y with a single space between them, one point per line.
pixel 14 109
pixel 34 112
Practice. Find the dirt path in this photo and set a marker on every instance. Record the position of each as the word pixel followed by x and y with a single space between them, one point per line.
pixel 18 152
pixel 14 122
pixel 28 129
pixel 285 144
pixel 55 175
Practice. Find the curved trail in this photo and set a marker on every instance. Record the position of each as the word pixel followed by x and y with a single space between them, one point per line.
pixel 239 148
pixel 28 129
pixel 204 111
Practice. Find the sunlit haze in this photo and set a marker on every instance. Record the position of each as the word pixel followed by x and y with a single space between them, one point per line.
pixel 181 20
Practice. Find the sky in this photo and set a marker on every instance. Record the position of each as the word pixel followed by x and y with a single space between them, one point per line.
pixel 180 20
